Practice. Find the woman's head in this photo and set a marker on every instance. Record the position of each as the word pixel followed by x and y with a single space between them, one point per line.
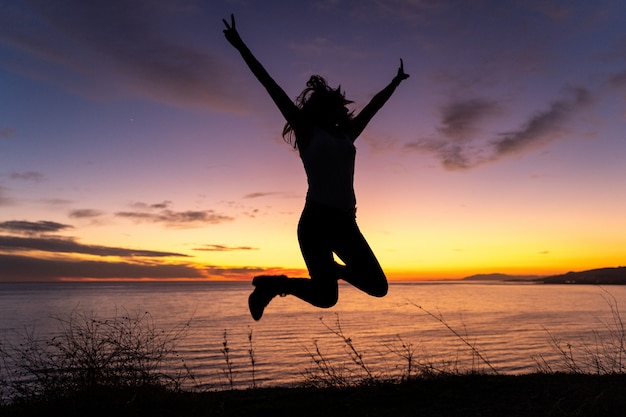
pixel 321 105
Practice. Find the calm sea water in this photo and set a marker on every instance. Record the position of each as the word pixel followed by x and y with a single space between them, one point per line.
pixel 512 326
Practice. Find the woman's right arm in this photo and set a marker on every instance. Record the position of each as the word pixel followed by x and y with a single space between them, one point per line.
pixel 288 109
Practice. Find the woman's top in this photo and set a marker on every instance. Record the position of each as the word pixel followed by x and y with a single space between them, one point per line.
pixel 329 165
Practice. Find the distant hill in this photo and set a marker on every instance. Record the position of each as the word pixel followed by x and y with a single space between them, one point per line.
pixel 502 277
pixel 602 276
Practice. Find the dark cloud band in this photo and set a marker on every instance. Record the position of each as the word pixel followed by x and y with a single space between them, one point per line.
pixel 26 227
pixel 57 245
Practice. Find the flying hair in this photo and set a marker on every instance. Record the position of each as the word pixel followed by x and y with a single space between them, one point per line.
pixel 313 101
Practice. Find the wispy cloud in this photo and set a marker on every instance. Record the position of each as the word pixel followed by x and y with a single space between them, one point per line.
pixel 543 127
pixel 129 46
pixel 244 272
pixel 459 147
pixel 30 228
pixel 27 176
pixel 161 213
pixel 85 214
pixel 56 202
pixel 171 218
pixel 262 194
pixel 224 248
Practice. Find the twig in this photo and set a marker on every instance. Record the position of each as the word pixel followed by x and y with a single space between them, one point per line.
pixel 229 364
pixel 459 336
pixel 252 357
pixel 355 355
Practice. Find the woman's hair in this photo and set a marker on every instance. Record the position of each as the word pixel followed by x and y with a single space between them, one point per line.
pixel 314 101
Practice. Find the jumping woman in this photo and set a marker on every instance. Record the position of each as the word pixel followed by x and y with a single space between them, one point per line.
pixel 323 130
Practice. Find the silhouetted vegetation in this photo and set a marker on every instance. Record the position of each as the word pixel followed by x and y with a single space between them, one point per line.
pixel 121 366
pixel 92 355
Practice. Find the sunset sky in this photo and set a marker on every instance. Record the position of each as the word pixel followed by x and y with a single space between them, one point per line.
pixel 135 143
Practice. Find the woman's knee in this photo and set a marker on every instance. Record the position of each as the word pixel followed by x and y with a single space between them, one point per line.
pixel 326 296
pixel 373 284
pixel 327 299
pixel 380 289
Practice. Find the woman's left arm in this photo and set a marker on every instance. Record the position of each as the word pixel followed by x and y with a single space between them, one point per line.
pixel 360 121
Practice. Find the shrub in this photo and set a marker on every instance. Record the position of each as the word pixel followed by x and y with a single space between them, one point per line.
pixel 89 353
pixel 603 354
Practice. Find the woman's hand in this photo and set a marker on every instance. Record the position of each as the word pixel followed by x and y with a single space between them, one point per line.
pixel 231 33
pixel 401 76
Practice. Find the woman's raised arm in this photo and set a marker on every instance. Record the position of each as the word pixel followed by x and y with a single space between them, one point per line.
pixel 361 120
pixel 288 109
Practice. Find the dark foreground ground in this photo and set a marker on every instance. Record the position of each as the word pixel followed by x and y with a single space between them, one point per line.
pixel 459 395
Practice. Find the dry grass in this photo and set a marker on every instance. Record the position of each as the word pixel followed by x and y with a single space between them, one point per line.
pixel 116 366
pixel 89 354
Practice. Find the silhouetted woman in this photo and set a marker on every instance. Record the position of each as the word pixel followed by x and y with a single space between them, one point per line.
pixel 323 130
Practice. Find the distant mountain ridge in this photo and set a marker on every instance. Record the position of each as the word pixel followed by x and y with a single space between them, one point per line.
pixel 502 277
pixel 601 276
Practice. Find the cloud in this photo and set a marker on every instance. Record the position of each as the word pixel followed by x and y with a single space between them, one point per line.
pixel 458 146
pixel 460 125
pixel 69 245
pixel 260 194
pixel 27 176
pixel 17 268
pixel 543 127
pixel 460 119
pixel 85 213
pixel 162 205
pixel 177 219
pixel 30 253
pixel 245 272
pixel 24 268
pixel 452 156
pixel 34 237
pixel 224 248
pixel 56 202
pixel 147 49
pixel 161 213
pixel 29 228
pixel 145 206
pixel 62 263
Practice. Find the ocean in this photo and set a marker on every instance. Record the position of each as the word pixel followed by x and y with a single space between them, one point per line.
pixel 509 328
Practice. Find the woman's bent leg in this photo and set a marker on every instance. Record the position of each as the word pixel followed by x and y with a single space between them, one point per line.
pixel 322 231
pixel 319 294
pixel 314 236
pixel 362 268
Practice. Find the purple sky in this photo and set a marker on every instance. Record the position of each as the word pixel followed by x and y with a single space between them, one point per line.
pixel 134 142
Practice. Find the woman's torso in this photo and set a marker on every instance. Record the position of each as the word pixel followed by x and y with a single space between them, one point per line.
pixel 328 160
